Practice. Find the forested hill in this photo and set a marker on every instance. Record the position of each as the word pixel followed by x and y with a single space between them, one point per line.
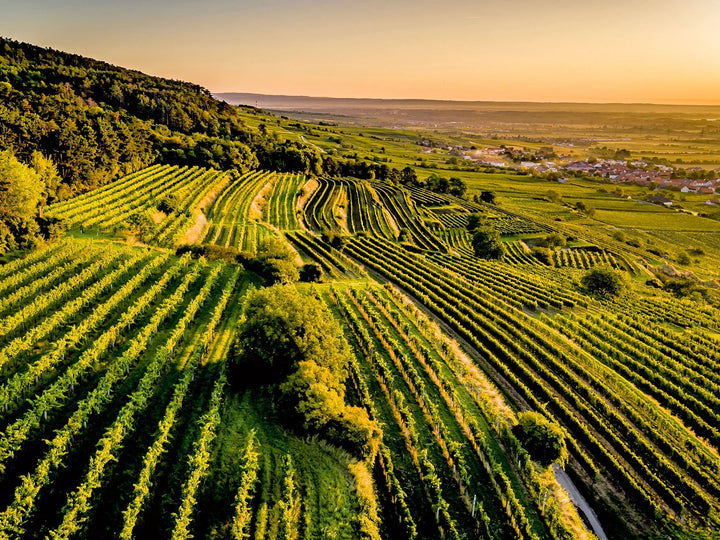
pixel 97 121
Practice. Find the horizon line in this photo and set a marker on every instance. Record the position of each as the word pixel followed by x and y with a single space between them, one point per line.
pixel 674 102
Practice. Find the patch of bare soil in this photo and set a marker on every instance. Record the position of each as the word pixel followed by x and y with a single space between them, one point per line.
pixel 195 232
pixel 257 207
pixel 339 211
pixel 306 190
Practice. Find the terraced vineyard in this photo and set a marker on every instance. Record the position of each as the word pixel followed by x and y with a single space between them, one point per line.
pixel 118 418
pixel 618 431
pixel 110 208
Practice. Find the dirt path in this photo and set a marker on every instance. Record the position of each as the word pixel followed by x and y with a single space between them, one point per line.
pixel 579 501
pixel 303 139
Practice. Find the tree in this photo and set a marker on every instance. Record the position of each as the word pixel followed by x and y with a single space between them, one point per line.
pixel 544 255
pixel 488 197
pixel 475 221
pixel 283 328
pixel 142 226
pixel 47 174
pixel 280 271
pixel 408 176
pixel 457 187
pixel 20 187
pixel 604 282
pixel 486 243
pixel 553 240
pixel 544 440
pixel 584 209
pixel 292 342
pixel 311 272
pixel 169 204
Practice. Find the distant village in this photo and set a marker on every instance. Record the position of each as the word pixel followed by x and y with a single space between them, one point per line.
pixel 617 171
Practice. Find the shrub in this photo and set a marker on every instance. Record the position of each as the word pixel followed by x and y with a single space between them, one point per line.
pixel 310 273
pixel 684 259
pixel 543 255
pixel 210 252
pixel 486 244
pixel 543 440
pixel 619 236
pixel 279 271
pixel 169 204
pixel 604 282
pixel 552 241
pixel 475 221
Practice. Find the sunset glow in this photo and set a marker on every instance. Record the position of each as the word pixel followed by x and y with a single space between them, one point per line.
pixel 597 51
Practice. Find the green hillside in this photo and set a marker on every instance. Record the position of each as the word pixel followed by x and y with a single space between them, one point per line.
pixel 316 344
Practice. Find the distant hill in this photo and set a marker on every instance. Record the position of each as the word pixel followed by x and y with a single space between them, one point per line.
pixel 489 116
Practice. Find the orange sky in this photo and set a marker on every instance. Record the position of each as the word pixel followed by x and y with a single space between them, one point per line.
pixel 530 50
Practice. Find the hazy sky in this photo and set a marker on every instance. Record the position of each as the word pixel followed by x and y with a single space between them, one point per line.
pixel 536 50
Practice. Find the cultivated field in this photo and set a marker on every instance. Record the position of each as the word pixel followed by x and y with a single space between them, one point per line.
pixel 118 419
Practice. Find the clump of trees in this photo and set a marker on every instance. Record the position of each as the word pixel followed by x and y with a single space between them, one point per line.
pixel 692 290
pixel 440 184
pixel 23 190
pixel 544 440
pixel 485 239
pixel 583 208
pixel 604 282
pixel 290 343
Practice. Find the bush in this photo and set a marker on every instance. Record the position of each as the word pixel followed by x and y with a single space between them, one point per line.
pixel 279 271
pixel 475 221
pixel 553 196
pixel 169 204
pixel 543 440
pixel 334 240
pixel 311 273
pixel 210 251
pixel 142 226
pixel 275 262
pixel 604 282
pixel 552 241
pixel 543 255
pixel 488 197
pixel 486 244
pixel 684 259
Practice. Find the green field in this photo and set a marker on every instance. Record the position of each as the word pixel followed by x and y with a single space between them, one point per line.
pixel 136 341
pixel 117 341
